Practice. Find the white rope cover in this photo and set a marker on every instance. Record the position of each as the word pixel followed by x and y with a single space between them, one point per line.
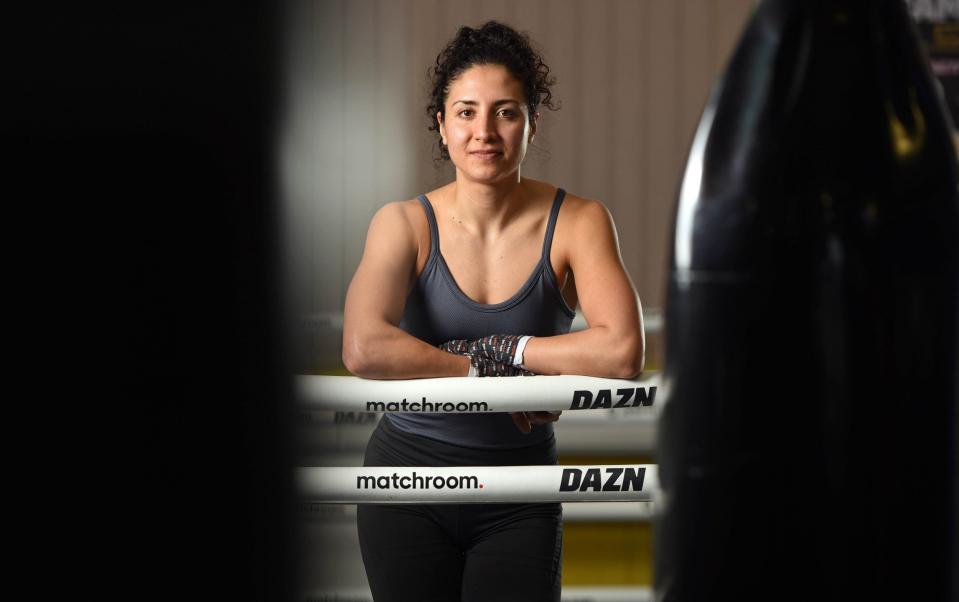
pixel 607 594
pixel 473 395
pixel 478 484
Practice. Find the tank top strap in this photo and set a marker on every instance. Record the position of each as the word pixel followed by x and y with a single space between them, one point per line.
pixel 551 224
pixel 434 231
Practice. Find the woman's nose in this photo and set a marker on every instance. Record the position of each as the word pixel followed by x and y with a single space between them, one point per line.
pixel 485 128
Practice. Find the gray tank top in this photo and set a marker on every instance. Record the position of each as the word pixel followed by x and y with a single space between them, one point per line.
pixel 438 311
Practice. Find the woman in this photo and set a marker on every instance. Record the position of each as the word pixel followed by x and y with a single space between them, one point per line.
pixel 479 277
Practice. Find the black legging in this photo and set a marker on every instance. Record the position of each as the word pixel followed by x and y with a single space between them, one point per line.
pixel 459 552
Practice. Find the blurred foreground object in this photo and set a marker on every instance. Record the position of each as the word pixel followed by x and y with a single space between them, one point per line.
pixel 808 441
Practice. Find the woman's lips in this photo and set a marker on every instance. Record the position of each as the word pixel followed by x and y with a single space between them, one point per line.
pixel 486 154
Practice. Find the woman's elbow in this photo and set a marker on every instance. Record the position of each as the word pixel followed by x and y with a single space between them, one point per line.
pixel 631 358
pixel 356 357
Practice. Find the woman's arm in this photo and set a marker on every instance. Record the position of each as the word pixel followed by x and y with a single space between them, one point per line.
pixel 613 344
pixel 373 344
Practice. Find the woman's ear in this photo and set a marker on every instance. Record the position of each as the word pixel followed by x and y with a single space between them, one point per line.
pixel 532 127
pixel 442 127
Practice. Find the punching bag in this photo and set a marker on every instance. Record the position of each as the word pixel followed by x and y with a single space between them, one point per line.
pixel 808 441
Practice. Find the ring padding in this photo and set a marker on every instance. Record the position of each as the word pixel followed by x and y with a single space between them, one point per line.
pixel 478 484
pixel 475 395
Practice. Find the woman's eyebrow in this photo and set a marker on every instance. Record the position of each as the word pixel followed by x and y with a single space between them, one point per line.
pixel 502 101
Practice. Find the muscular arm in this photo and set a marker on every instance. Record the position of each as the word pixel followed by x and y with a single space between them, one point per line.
pixel 613 344
pixel 373 344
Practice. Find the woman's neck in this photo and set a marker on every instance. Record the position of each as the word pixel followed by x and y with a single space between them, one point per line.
pixel 486 209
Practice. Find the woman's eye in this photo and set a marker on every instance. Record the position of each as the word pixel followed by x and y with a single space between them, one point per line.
pixel 508 113
pixel 466 113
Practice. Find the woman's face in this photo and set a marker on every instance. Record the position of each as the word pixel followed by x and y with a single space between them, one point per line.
pixel 487 124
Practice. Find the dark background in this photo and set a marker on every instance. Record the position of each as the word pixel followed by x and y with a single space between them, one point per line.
pixel 140 219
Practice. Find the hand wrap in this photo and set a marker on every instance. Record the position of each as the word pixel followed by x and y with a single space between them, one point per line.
pixel 500 348
pixel 489 356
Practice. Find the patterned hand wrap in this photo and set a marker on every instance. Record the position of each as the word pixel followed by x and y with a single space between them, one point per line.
pixel 485 364
pixel 487 367
pixel 497 347
pixel 458 346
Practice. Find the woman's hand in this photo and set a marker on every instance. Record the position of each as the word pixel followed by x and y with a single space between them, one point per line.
pixel 484 366
pixel 525 420
pixel 492 355
pixel 501 347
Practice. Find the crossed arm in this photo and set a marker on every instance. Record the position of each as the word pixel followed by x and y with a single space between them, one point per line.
pixel 373 344
pixel 612 345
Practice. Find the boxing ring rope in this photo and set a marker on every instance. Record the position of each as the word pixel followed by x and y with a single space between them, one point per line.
pixel 480 484
pixel 477 484
pixel 471 395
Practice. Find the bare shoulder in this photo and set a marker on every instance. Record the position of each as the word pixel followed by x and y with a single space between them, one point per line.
pixel 583 215
pixel 400 229
pixel 394 213
pixel 397 216
pixel 393 227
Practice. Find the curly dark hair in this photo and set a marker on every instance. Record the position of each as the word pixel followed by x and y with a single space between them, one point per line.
pixel 491 44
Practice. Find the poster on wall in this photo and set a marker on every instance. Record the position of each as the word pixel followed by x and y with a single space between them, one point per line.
pixel 938 24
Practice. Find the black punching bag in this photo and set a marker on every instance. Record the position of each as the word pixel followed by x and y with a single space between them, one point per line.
pixel 808 442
